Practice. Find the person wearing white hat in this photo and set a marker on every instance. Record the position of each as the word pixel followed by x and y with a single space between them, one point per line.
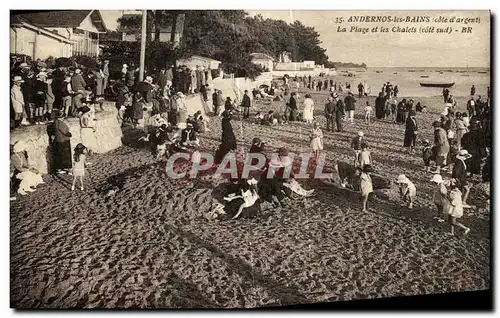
pixel 460 174
pixel 440 197
pixel 17 98
pixel 407 190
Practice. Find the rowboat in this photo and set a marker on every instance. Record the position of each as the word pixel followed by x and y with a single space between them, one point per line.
pixel 424 76
pixel 444 85
pixel 483 72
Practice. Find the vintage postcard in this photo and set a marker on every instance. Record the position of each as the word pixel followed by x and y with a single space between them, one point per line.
pixel 242 159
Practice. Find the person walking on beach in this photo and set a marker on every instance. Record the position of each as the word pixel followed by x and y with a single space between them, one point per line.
pixel 456 209
pixel 439 197
pixel 366 185
pixel 228 137
pixel 356 145
pixel 339 112
pixel 368 113
pixel 329 114
pixel 246 104
pixel 380 106
pixel 471 106
pixel 442 145
pixel 364 157
pixel 308 109
pixel 411 132
pixel 360 90
pixel 407 190
pixel 396 91
pixel 79 165
pixel 292 106
pixel 460 174
pixel 472 91
pixel 316 137
pixel 350 105
pixel 460 128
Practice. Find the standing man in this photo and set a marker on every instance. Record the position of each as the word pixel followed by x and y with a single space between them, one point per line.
pixel 329 114
pixel 360 90
pixel 472 91
pixel 246 103
pixel 214 102
pixel 446 93
pixel 169 75
pixel 350 105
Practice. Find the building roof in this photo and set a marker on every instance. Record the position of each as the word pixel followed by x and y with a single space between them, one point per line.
pixel 63 19
pixel 18 21
pixel 261 56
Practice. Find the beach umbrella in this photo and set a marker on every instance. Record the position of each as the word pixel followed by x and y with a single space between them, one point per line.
pixel 63 62
pixel 87 62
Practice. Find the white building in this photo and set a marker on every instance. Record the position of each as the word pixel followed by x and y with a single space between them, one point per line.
pixel 197 60
pixel 263 60
pixel 56 33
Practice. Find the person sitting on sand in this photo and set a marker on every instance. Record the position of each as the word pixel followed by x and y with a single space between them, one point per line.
pixel 248 198
pixel 366 185
pixel 24 176
pixel 455 208
pixel 439 196
pixel 273 189
pixel 188 136
pixel 407 190
pixel 269 119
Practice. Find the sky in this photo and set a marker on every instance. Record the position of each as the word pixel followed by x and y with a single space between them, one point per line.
pixel 390 49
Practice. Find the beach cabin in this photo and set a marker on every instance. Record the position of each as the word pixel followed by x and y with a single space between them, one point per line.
pixel 197 60
pixel 57 33
pixel 263 60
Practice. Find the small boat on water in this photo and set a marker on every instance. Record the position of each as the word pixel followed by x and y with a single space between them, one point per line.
pixel 395 73
pixel 411 71
pixel 424 76
pixel 379 71
pixel 483 72
pixel 443 85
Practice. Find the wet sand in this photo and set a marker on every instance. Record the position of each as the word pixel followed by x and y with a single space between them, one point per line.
pixel 147 244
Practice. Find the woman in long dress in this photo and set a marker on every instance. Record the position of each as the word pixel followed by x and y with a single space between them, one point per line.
pixel 228 137
pixel 61 145
pixel 316 139
pixel 411 132
pixel 182 111
pixel 308 109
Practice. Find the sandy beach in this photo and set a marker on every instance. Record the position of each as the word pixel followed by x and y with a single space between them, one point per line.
pixel 135 238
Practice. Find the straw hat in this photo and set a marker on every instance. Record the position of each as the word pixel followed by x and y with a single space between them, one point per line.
pixel 189 125
pixel 18 79
pixel 78 71
pixel 463 154
pixel 67 79
pixel 42 74
pixel 335 95
pixel 437 178
pixel 149 79
pixel 402 179
pixel 360 134
pixel 180 94
pixel 24 65
pixel 19 146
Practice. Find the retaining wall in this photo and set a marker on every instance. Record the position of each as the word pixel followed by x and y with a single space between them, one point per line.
pixel 108 136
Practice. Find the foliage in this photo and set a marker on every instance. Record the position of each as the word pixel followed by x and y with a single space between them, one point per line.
pixel 344 65
pixel 229 36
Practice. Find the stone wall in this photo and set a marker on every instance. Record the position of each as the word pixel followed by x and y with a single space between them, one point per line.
pixel 108 136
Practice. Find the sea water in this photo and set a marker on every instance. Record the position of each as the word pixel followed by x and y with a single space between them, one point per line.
pixel 408 80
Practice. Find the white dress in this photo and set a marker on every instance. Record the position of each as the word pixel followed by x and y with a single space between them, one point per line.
pixel 316 139
pixel 308 110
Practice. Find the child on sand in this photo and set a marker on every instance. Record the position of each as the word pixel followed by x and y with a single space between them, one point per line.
pixel 366 185
pixel 455 208
pixel 428 154
pixel 316 137
pixel 364 157
pixel 407 190
pixel 79 165
pixel 356 145
pixel 368 113
pixel 439 196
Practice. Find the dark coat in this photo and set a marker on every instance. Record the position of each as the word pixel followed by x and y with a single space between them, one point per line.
pixel 350 103
pixel 228 138
pixel 380 107
pixel 410 136
pixel 292 103
pixel 459 172
pixel 137 109
pixel 246 101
